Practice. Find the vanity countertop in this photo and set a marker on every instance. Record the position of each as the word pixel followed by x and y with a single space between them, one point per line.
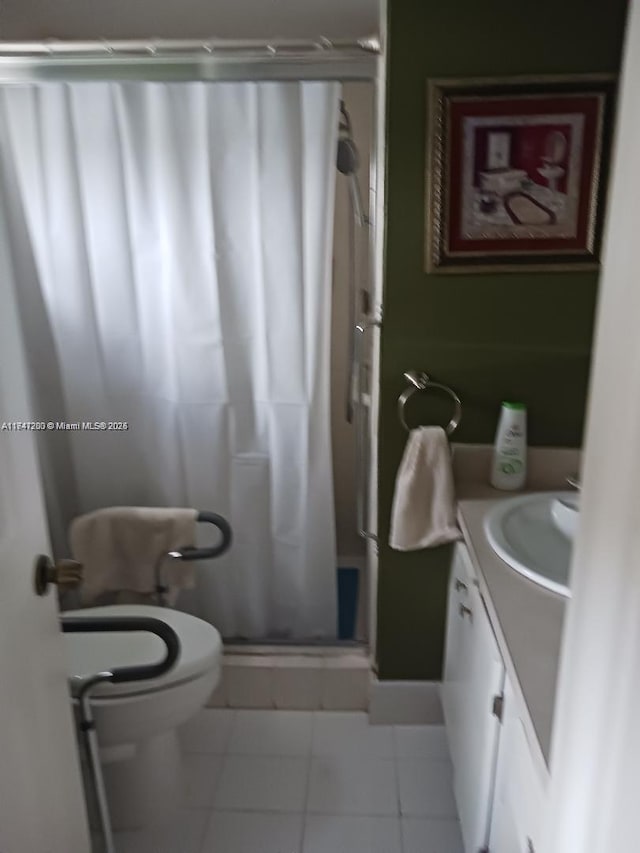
pixel 526 618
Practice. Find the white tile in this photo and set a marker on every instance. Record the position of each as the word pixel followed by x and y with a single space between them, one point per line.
pixel 219 697
pixel 431 836
pixel 252 832
pixel 354 785
pixel 271 733
pixel 405 702
pixel 345 688
pixel 425 788
pixel 297 683
pixel 421 742
pixel 208 731
pixel 331 834
pixel 262 784
pixel 182 835
pixel 201 774
pixel 349 732
pixel 250 683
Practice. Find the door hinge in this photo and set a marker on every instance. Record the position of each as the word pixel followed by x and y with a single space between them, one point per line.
pixel 497 707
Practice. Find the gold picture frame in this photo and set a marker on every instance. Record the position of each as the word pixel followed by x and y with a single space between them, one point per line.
pixel 472 229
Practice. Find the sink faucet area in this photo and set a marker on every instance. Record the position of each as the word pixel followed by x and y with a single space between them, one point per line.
pixel 533 534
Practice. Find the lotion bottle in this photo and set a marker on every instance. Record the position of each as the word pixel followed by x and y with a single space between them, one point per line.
pixel 509 466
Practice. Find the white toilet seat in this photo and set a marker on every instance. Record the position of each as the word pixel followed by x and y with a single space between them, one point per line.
pixel 87 654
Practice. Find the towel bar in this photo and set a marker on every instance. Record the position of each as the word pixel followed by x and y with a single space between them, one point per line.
pixel 420 381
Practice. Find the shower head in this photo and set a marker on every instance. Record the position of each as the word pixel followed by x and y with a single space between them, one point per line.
pixel 347 159
pixel 347 163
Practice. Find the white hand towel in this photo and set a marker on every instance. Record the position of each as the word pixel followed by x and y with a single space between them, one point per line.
pixel 120 548
pixel 423 512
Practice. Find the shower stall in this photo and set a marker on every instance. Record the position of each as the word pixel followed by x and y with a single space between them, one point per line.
pixel 194 234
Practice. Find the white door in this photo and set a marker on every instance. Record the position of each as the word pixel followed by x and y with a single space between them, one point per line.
pixel 42 807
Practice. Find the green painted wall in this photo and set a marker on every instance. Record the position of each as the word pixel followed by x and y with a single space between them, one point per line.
pixel 492 337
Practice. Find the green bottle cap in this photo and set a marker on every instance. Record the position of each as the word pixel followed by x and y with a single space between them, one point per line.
pixel 508 405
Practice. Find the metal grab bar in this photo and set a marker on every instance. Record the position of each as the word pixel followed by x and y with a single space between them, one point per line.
pixel 362 437
pixel 112 624
pixel 188 552
pixel 105 624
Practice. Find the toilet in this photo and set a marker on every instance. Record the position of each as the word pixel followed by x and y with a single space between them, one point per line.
pixel 137 722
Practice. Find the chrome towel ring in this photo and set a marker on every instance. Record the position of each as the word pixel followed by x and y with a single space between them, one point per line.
pixel 420 381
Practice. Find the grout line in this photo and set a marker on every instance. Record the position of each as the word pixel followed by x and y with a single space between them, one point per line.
pixel 368 815
pixel 310 757
pixel 400 831
pixel 396 745
pixel 263 811
pixel 396 766
pixel 205 832
pixel 232 728
pixel 216 789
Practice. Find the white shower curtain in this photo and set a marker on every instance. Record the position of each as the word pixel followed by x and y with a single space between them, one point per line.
pixel 173 249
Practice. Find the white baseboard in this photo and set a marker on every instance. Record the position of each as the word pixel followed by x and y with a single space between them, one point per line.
pixel 405 703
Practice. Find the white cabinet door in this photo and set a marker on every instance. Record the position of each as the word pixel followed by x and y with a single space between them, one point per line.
pixel 520 792
pixel 474 676
pixel 452 683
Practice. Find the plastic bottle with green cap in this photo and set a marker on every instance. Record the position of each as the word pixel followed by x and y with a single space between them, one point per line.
pixel 509 466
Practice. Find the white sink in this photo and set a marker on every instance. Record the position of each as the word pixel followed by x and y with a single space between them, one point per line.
pixel 528 533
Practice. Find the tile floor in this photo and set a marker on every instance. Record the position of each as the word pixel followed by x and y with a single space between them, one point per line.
pixel 308 782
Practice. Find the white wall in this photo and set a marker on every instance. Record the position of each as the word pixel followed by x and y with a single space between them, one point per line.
pixel 112 19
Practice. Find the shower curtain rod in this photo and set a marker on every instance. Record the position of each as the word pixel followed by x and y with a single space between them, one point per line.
pixel 213 58
pixel 158 46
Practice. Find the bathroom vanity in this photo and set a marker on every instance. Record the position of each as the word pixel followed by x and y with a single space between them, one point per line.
pixel 502 650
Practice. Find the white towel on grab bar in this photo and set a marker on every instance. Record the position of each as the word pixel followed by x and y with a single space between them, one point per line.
pixel 423 511
pixel 121 547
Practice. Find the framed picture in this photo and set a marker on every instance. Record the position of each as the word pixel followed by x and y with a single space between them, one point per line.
pixel 516 171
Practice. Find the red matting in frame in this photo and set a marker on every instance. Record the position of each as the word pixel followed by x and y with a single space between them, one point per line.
pixel 588 105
